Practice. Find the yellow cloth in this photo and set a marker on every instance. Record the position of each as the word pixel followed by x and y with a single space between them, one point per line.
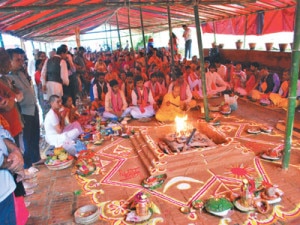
pixel 255 94
pixel 285 88
pixel 169 112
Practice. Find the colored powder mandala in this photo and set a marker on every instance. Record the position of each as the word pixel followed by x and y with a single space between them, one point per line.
pixel 241 171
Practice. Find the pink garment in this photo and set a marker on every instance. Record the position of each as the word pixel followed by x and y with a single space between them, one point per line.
pixel 142 99
pixel 183 87
pixel 116 102
pixel 22 213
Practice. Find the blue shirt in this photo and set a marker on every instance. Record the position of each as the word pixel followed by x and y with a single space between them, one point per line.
pixel 7 184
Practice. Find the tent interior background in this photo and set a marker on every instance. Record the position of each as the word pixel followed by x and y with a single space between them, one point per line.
pixel 44 26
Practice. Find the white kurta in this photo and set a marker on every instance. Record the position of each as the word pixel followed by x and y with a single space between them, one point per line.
pixel 70 132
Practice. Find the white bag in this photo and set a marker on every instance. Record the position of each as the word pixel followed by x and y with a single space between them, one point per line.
pixel 231 101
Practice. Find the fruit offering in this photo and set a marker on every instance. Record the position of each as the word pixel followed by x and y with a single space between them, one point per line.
pixel 85 163
pixel 60 156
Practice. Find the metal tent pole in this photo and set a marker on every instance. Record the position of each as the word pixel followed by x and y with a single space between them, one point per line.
pixel 171 41
pixel 117 19
pixel 292 90
pixel 1 41
pixel 129 28
pixel 201 55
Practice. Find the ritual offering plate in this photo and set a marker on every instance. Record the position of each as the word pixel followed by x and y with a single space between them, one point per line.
pixel 198 204
pixel 270 157
pixel 60 160
pixel 273 154
pixel 253 130
pixel 272 195
pixel 218 206
pixel 262 206
pixel 154 182
pixel 226 112
pixel 85 163
pixel 86 214
pixel 133 217
pixel 237 203
pixel 85 169
pixel 266 129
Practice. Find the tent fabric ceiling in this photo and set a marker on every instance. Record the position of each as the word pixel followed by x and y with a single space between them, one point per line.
pixel 52 20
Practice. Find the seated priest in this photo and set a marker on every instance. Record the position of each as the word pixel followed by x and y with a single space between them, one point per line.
pixel 185 91
pixel 171 106
pixel 115 102
pixel 56 130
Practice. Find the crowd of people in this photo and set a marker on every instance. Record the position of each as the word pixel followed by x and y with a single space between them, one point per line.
pixel 123 83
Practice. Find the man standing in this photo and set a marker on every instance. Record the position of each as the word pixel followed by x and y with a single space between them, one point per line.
pixel 81 70
pixel 187 35
pixel 29 109
pixel 55 73
pixel 11 162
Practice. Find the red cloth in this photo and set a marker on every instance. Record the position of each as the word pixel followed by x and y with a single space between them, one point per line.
pixel 142 99
pixel 116 101
pixel 183 86
pixel 22 213
pixel 37 77
pixel 12 116
pixel 250 85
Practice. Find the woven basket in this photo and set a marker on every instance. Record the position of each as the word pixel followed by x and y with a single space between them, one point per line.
pixel 91 211
pixel 60 166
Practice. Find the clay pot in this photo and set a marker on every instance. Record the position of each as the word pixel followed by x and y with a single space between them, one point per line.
pixel 238 44
pixel 269 46
pixel 282 47
pixel 252 46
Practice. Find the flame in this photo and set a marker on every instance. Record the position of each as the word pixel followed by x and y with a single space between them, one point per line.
pixel 181 124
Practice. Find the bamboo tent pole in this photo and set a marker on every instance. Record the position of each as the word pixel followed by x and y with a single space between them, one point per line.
pixel 129 28
pixel 293 90
pixel 214 27
pixel 144 41
pixel 106 38
pixel 245 30
pixel 171 41
pixel 117 19
pixel 111 45
pixel 201 55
